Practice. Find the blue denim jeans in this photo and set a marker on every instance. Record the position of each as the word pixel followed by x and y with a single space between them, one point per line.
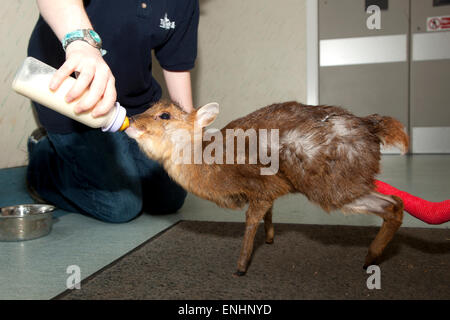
pixel 103 175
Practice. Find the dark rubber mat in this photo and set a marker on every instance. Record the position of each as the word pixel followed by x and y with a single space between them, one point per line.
pixel 196 260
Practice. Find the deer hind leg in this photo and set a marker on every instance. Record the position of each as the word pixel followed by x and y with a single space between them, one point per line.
pixel 268 226
pixel 390 209
pixel 255 213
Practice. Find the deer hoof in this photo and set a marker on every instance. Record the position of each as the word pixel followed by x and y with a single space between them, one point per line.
pixel 239 273
pixel 371 259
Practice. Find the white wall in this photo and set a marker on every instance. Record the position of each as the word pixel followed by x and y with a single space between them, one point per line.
pixel 252 53
pixel 17 18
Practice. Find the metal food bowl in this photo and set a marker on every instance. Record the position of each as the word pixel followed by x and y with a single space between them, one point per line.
pixel 25 222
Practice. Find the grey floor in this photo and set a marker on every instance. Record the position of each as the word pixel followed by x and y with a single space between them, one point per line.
pixel 37 269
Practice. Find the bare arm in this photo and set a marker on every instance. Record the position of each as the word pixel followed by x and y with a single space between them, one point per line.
pixel 66 16
pixel 179 86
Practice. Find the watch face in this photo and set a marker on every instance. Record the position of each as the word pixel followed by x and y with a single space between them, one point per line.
pixel 95 36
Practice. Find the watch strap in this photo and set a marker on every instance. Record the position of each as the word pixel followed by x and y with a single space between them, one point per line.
pixel 87 35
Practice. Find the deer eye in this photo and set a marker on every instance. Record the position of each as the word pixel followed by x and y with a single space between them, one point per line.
pixel 165 116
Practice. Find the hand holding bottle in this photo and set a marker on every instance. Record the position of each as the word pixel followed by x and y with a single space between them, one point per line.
pixel 93 74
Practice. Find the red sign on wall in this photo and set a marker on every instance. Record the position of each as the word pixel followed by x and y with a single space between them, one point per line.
pixel 438 23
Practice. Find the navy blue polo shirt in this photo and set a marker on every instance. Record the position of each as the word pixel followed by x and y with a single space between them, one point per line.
pixel 129 29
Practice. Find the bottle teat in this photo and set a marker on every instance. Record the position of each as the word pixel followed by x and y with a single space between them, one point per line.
pixel 119 120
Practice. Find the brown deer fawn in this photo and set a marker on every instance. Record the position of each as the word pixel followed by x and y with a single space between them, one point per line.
pixel 324 152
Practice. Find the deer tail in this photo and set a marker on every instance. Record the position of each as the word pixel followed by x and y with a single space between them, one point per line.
pixel 390 131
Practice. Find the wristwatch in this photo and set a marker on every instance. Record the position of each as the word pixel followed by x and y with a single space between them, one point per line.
pixel 87 35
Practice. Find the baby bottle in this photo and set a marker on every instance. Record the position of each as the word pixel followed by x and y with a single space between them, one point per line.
pixel 32 81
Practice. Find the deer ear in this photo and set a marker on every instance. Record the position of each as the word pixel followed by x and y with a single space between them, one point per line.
pixel 207 114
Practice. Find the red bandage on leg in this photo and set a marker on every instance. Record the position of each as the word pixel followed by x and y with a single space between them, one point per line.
pixel 427 211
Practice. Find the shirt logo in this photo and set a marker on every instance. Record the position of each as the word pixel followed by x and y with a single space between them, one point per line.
pixel 166 23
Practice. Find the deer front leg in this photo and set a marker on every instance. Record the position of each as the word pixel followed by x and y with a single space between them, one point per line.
pixel 256 211
pixel 268 226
